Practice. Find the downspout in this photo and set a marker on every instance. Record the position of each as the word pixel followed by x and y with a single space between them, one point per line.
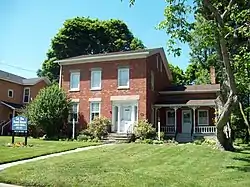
pixel 60 75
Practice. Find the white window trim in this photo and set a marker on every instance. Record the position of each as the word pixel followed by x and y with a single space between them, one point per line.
pixel 167 117
pixel 10 90
pixel 77 110
pixel 123 87
pixel 207 117
pixel 24 94
pixel 90 109
pixel 71 74
pixel 157 62
pixel 92 74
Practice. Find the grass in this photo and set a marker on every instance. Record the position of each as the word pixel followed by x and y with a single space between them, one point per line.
pixel 40 147
pixel 134 165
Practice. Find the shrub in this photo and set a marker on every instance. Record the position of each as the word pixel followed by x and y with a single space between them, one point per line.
pixel 144 130
pixel 98 127
pixel 208 141
pixel 49 110
pixel 83 137
pixel 158 142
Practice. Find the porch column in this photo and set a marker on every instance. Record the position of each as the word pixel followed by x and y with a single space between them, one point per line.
pixel 175 119
pixel 113 118
pixel 133 119
pixel 194 109
pixel 159 125
pixel 119 118
pixel 155 117
pixel 14 111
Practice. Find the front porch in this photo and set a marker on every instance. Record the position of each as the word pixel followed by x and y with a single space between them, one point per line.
pixel 192 119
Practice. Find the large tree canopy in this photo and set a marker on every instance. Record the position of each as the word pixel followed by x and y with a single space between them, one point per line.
pixel 82 36
pixel 218 35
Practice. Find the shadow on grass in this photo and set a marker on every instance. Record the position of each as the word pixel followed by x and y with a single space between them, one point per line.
pixel 244 162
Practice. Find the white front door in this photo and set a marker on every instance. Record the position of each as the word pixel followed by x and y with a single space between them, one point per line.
pixel 186 121
pixel 126 118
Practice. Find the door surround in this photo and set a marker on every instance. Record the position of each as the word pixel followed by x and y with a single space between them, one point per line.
pixel 187 127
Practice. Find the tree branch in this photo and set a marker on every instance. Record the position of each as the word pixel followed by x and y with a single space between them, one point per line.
pixel 244 117
pixel 215 11
pixel 245 24
pixel 227 9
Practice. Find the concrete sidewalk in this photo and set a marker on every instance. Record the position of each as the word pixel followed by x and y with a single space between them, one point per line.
pixel 4 166
pixel 8 185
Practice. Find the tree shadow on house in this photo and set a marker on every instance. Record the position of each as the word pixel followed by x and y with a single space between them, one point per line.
pixel 79 126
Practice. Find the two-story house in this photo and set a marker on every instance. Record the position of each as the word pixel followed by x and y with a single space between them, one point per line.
pixel 132 85
pixel 15 93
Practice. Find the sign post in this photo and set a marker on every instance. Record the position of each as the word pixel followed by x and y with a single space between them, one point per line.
pixel 19 124
pixel 73 130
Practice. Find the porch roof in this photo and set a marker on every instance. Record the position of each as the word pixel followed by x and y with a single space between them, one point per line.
pixel 187 102
pixel 12 105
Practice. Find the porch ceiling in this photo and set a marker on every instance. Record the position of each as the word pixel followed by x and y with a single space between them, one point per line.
pixel 188 102
pixel 12 105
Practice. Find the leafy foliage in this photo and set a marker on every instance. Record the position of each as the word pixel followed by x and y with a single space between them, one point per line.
pixel 99 127
pixel 85 36
pixel 179 77
pixel 144 130
pixel 49 110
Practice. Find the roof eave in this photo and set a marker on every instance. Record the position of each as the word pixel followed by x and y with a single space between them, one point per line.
pixel 88 59
pixel 189 91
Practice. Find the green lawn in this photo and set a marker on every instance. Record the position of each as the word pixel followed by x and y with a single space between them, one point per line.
pixel 134 165
pixel 40 147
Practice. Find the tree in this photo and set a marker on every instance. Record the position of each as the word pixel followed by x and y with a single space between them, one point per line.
pixel 84 36
pixel 225 19
pixel 178 75
pixel 49 110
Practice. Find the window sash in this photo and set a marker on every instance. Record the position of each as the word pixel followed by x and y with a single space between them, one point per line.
pixel 26 95
pixel 203 117
pixel 152 81
pixel 170 117
pixel 74 80
pixel 95 79
pixel 123 77
pixel 10 93
pixel 74 112
pixel 94 110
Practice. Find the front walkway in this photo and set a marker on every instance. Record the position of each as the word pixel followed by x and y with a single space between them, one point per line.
pixel 4 166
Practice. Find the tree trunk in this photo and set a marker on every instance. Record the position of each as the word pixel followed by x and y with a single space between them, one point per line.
pixel 224 142
pixel 244 117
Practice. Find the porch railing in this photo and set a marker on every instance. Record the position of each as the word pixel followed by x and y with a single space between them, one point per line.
pixel 205 129
pixel 168 129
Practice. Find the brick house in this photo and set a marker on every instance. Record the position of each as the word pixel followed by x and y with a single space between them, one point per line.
pixel 128 86
pixel 15 93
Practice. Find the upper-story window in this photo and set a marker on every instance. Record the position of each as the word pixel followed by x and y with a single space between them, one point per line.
pixel 96 79
pixel 26 95
pixel 123 78
pixel 75 81
pixel 10 93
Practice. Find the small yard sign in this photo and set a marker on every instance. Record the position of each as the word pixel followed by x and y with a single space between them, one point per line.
pixel 19 124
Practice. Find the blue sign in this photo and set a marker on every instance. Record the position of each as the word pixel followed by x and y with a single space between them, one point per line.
pixel 19 124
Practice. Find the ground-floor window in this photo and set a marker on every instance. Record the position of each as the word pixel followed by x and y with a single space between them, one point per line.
pixel 94 110
pixel 170 117
pixel 203 117
pixel 74 113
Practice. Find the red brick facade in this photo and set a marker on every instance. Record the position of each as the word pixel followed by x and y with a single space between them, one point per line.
pixel 140 84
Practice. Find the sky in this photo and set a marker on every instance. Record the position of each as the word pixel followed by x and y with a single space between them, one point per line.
pixel 27 27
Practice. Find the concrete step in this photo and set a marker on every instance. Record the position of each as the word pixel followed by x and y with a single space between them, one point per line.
pixel 184 137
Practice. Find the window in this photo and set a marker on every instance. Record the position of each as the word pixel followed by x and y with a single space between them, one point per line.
pixel 152 81
pixel 74 114
pixel 26 95
pixel 123 78
pixel 202 117
pixel 170 118
pixel 75 81
pixel 94 110
pixel 96 76
pixel 157 62
pixel 10 93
